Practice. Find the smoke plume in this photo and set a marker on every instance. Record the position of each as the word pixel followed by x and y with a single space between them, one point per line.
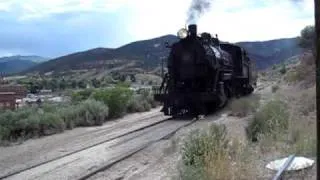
pixel 196 10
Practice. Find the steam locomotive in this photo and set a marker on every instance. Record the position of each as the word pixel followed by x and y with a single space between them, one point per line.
pixel 203 74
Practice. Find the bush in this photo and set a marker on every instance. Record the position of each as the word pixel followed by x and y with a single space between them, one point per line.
pixel 81 95
pixel 274 88
pixel 138 104
pixel 50 123
pixel 117 99
pixel 70 116
pixel 28 122
pixel 210 155
pixel 141 102
pixel 293 76
pixel 283 69
pixel 91 112
pixel 198 145
pixel 245 105
pixel 270 120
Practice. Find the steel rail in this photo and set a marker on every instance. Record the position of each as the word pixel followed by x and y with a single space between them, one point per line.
pixel 82 149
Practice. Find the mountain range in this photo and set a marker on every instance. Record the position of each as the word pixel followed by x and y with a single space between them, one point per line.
pixel 15 64
pixel 148 53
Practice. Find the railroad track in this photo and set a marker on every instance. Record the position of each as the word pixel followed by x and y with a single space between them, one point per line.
pixel 102 134
pixel 84 163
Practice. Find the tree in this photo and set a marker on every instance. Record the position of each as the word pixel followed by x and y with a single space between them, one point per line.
pixel 62 84
pixel 74 84
pixel 53 84
pixel 82 84
pixel 307 39
pixel 283 69
pixel 133 78
pixel 95 83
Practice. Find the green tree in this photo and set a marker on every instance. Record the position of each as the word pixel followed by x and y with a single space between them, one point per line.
pixel 133 78
pixel 62 84
pixel 116 98
pixel 283 69
pixel 53 84
pixel 45 84
pixel 307 39
pixel 81 84
pixel 95 83
pixel 74 84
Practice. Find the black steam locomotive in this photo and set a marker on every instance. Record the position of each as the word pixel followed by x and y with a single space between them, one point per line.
pixel 203 73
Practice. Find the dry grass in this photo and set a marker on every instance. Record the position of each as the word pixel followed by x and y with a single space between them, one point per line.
pixel 271 119
pixel 244 106
pixel 210 155
pixel 284 125
pixel 302 124
pixel 304 73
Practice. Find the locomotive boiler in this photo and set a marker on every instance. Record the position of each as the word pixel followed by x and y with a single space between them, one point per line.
pixel 203 73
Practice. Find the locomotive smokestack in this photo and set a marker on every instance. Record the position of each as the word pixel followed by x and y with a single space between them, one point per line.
pixel 193 30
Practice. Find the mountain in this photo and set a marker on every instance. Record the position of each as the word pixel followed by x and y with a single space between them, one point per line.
pixel 36 59
pixel 148 53
pixel 15 64
pixel 267 53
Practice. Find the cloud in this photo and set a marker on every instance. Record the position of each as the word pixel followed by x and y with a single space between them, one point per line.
pixel 260 20
pixel 59 27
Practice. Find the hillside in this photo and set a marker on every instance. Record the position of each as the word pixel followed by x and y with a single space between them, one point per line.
pixel 148 53
pixel 15 64
pixel 267 53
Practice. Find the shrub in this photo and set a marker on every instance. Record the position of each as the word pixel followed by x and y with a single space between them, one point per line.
pixel 28 122
pixel 81 95
pixel 135 104
pixel 270 120
pixel 138 104
pixel 198 145
pixel 283 69
pixel 293 76
pixel 4 133
pixel 307 101
pixel 70 116
pixel 50 123
pixel 90 112
pixel 149 98
pixel 117 99
pixel 245 105
pixel 210 155
pixel 274 88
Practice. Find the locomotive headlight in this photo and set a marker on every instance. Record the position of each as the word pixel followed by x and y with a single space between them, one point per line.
pixel 182 33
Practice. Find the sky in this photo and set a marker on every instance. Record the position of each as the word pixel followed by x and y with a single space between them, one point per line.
pixel 53 28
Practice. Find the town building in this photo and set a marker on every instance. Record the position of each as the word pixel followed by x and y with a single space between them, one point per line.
pixel 9 94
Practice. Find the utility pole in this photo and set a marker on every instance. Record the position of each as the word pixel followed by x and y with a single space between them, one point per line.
pixel 317 25
pixel 162 64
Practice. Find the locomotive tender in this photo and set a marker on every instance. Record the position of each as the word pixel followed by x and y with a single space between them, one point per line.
pixel 203 73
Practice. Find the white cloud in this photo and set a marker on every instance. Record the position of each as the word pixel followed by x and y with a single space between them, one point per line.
pixel 241 20
pixel 29 10
pixel 111 23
